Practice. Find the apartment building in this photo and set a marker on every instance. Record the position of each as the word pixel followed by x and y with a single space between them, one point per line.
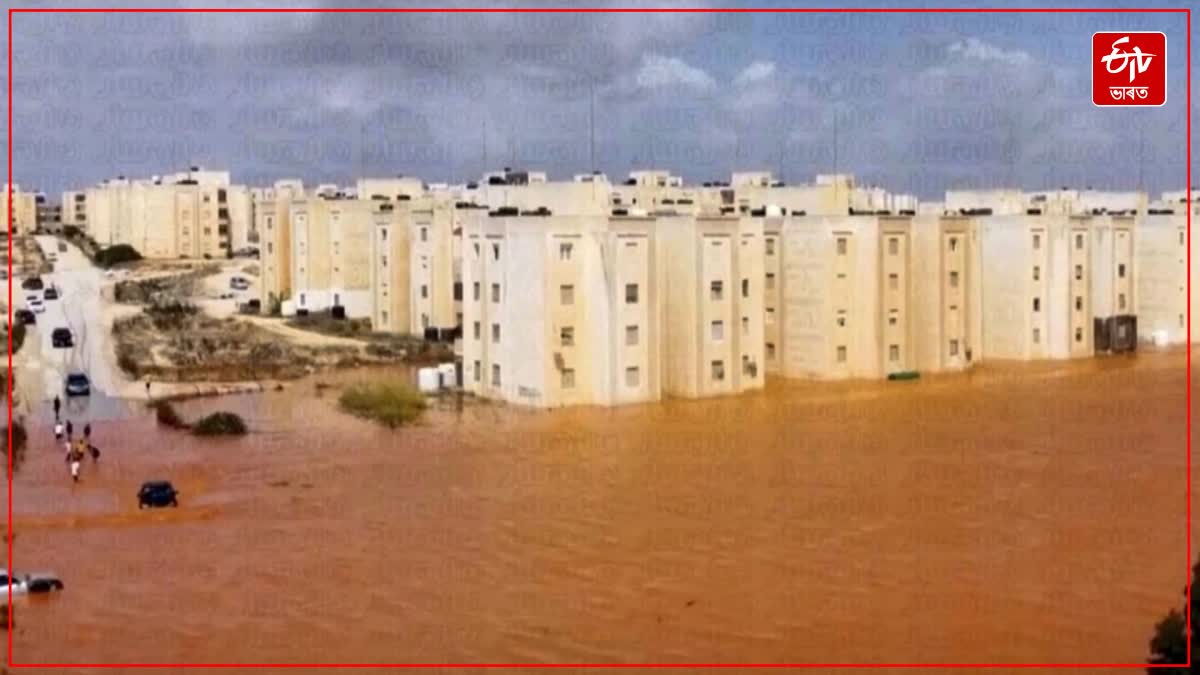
pixel 399 187
pixel 660 192
pixel 74 209
pixel 844 299
pixel 49 214
pixel 530 191
pixel 273 230
pixel 331 253
pixel 24 209
pixel 714 312
pixel 828 195
pixel 946 293
pixel 1037 280
pixel 1161 283
pixel 431 233
pixel 390 278
pixel 562 310
pixel 1113 291
pixel 190 215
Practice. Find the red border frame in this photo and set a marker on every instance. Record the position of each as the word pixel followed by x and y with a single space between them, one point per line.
pixel 1185 11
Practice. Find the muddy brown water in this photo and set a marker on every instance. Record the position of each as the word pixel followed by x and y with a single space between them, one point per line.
pixel 1029 513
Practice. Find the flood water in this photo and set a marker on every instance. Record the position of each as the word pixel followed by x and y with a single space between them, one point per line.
pixel 1030 513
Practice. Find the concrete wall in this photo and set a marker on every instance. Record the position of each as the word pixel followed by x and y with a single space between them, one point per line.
pixel 1162 277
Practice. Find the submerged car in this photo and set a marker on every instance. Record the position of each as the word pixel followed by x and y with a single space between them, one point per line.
pixel 77 384
pixel 33 284
pixel 239 283
pixel 42 582
pixel 51 293
pixel 61 338
pixel 157 494
pixel 37 305
pixel 25 316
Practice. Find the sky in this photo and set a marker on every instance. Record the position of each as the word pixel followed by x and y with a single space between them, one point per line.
pixel 916 103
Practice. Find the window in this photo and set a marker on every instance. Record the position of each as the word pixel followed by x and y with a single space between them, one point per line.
pixel 954 348
pixel 1079 335
pixel 383 317
pixel 566 294
pixel 1121 301
pixel 1121 270
pixel 564 251
pixel 382 231
pixel 893 353
pixel 1037 273
pixel 718 331
pixel 566 336
pixel 770 246
pixel 568 378
pixel 475 330
pixel 495 292
pixel 1182 241
pixel 424 234
pixel 475 291
pixel 954 280
pixel 841 320
pixel 1037 336
pixel 495 332
pixel 1037 242
pixel 478 371
pixel 633 377
pixel 953 243
pixel 841 354
pixel 383 261
pixel 894 281
pixel 424 291
pixel 457 291
pixel 496 251
pixel 893 246
pixel 745 325
pixel 748 368
pixel 1037 304
pixel 770 282
pixel 631 294
pixel 893 318
pixel 745 288
pixel 716 289
pixel 477 251
pixel 841 246
pixel 1079 242
pixel 1079 303
pixel 770 348
pixel 495 374
pixel 271 249
pixel 631 336
pixel 1079 272
pixel 718 371
pixel 770 315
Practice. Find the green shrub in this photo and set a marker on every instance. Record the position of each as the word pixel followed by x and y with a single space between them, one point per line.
pixel 220 424
pixel 167 416
pixel 392 405
pixel 115 255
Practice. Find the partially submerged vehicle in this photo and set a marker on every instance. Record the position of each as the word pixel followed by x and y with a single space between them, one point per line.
pixel 157 494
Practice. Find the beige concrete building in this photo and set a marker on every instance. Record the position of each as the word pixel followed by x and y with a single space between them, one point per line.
pixel 74 209
pixel 562 310
pixel 431 233
pixel 844 299
pixel 714 304
pixel 1161 259
pixel 331 253
pixel 946 293
pixel 24 209
pixel 1112 295
pixel 1037 280
pixel 399 187
pixel 391 282
pixel 187 215
pixel 273 229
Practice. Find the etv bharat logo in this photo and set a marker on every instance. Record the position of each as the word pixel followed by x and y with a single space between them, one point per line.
pixel 1129 69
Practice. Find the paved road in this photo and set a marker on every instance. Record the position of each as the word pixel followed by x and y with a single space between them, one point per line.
pixel 40 367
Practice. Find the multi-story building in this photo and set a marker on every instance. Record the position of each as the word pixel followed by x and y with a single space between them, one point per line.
pixel 399 187
pixel 562 310
pixel 844 297
pixel 391 280
pixel 1113 291
pixel 431 236
pixel 331 253
pixel 1037 283
pixel 714 304
pixel 24 209
pixel 74 209
pixel 49 214
pixel 946 293
pixel 1161 283
pixel 272 225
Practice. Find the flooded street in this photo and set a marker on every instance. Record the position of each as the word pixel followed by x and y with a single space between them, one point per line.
pixel 1029 513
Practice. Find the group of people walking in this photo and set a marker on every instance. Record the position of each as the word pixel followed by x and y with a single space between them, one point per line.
pixel 77 448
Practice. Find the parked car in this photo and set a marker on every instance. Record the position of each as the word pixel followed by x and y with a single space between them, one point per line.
pixel 157 494
pixel 77 384
pixel 33 284
pixel 239 283
pixel 37 305
pixel 41 582
pixel 51 293
pixel 24 316
pixel 251 306
pixel 61 338
pixel 62 247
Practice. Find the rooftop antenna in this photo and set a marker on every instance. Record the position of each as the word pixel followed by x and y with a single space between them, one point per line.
pixel 592 123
